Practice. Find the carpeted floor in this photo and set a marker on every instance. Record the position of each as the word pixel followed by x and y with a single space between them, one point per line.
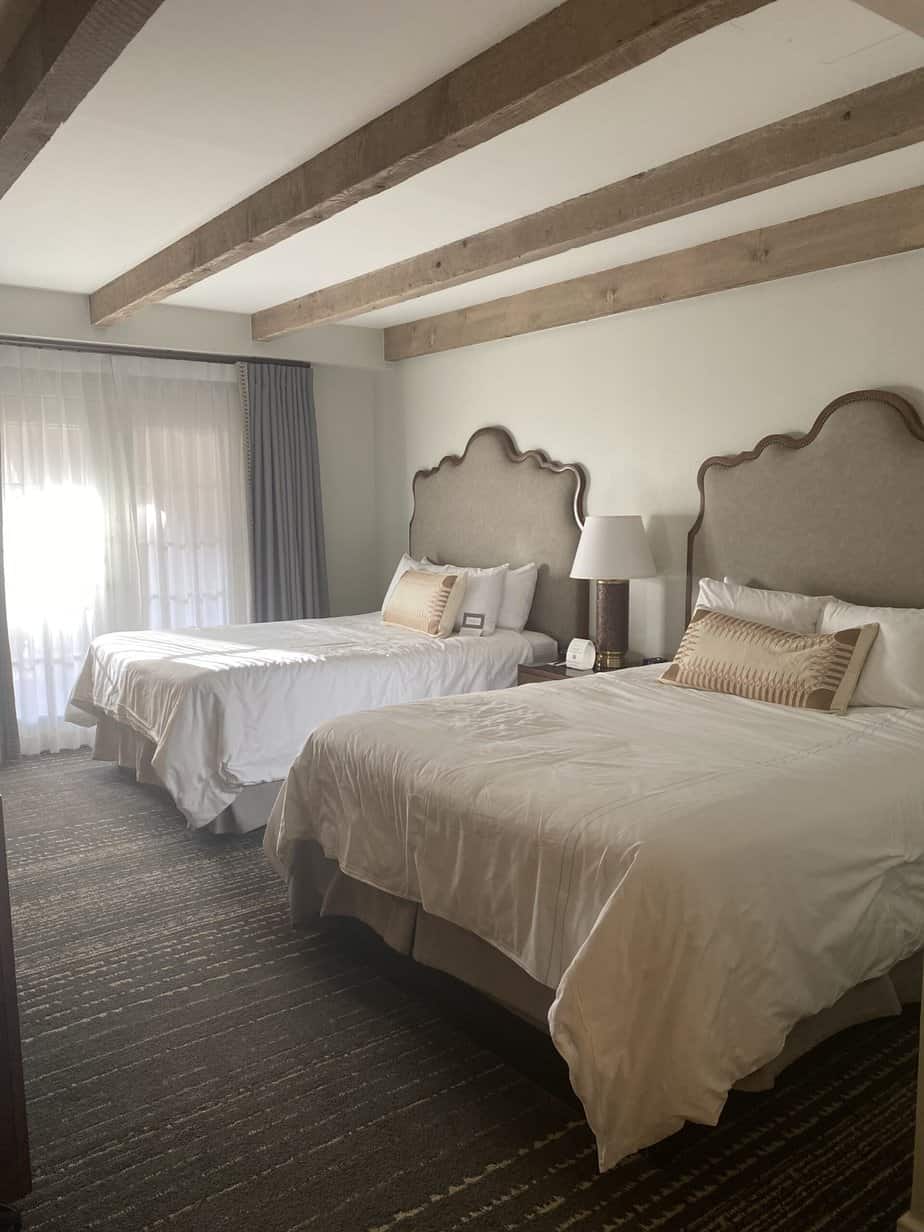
pixel 194 1064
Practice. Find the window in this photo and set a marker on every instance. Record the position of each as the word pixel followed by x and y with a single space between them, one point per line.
pixel 124 507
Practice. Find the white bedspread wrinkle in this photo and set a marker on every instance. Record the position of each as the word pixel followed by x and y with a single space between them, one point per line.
pixel 692 873
pixel 232 706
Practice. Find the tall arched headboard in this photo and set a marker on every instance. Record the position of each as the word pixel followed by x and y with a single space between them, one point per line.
pixel 838 510
pixel 491 504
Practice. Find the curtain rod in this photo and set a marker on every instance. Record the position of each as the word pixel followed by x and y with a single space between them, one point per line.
pixel 100 348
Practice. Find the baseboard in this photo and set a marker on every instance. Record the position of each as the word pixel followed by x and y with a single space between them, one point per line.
pixel 910 1223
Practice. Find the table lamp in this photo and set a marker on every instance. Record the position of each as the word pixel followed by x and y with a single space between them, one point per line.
pixel 610 551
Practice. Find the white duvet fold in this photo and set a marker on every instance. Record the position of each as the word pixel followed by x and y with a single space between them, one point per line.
pixel 692 873
pixel 232 706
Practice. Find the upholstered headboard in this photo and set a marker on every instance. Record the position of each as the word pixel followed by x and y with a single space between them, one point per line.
pixel 494 504
pixel 837 511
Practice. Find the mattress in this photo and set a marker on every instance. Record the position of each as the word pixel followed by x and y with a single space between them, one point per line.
pixel 230 707
pixel 692 873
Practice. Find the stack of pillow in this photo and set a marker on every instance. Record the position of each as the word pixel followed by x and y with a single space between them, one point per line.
pixel 812 651
pixel 477 602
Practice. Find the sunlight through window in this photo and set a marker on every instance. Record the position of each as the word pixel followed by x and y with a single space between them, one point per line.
pixel 54 547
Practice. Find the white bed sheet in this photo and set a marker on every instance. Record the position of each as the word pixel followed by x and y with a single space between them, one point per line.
pixel 230 707
pixel 693 873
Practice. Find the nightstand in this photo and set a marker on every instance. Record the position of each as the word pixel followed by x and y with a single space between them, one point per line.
pixel 539 673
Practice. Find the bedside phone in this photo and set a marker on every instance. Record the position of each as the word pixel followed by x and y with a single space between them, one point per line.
pixel 581 654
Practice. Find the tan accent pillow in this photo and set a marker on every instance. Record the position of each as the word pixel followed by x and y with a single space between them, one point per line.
pixel 725 654
pixel 427 602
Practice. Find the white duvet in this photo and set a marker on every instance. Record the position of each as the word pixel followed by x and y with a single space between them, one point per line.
pixel 693 873
pixel 230 707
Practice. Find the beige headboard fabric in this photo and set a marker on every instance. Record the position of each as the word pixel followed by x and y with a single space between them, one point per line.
pixel 837 511
pixel 494 504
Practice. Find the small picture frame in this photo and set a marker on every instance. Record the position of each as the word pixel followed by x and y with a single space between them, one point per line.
pixel 472 624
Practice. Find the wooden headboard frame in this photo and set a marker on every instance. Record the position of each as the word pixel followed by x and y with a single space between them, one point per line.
pixel 853 506
pixel 493 503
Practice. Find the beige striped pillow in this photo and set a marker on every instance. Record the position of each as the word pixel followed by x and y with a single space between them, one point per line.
pixel 725 654
pixel 427 602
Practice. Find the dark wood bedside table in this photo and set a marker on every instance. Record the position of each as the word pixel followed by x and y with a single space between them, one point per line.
pixel 539 673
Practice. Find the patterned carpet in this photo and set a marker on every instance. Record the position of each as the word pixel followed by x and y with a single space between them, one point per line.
pixel 194 1064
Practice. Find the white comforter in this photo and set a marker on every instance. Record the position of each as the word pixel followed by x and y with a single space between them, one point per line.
pixel 693 873
pixel 231 706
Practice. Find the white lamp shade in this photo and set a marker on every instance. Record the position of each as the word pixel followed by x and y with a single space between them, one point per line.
pixel 611 548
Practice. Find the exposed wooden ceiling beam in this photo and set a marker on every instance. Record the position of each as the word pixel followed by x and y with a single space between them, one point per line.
pixel 15 16
pixel 64 50
pixel 576 46
pixel 877 228
pixel 907 13
pixel 857 126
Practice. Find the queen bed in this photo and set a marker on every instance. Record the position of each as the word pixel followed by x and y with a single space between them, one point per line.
pixel 687 889
pixel 217 715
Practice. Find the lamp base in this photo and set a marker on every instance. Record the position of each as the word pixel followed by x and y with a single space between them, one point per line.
pixel 609 660
pixel 612 621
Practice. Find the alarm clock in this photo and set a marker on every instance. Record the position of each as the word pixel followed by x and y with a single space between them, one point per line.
pixel 582 654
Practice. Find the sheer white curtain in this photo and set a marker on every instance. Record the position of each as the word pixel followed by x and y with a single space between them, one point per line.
pixel 124 507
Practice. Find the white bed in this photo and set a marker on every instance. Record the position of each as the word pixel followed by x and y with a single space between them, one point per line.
pixel 694 887
pixel 220 710
pixel 217 715
pixel 692 873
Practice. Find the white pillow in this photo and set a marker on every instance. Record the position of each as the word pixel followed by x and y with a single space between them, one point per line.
pixel 406 562
pixel 484 590
pixel 519 588
pixel 894 671
pixel 780 609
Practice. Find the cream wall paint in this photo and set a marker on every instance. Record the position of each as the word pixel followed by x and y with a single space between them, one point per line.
pixel 63 316
pixel 343 361
pixel 643 398
pixel 345 405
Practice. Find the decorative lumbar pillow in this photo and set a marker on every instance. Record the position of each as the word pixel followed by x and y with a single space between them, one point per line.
pixel 406 562
pixel 484 590
pixel 426 602
pixel 780 609
pixel 519 588
pixel 894 671
pixel 724 654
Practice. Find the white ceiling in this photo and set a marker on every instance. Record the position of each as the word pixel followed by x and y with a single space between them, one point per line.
pixel 217 97
pixel 212 100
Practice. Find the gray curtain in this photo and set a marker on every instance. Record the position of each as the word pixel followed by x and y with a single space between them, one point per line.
pixel 9 728
pixel 289 569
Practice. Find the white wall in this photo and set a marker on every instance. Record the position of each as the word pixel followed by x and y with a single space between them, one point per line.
pixel 345 403
pixel 344 360
pixel 642 399
pixel 64 317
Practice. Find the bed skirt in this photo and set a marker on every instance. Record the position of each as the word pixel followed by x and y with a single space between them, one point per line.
pixel 318 888
pixel 119 743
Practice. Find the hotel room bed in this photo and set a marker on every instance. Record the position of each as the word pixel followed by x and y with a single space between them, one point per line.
pixel 217 715
pixel 693 874
pixel 692 887
pixel 208 712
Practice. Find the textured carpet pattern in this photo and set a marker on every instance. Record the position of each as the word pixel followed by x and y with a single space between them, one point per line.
pixel 194 1064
